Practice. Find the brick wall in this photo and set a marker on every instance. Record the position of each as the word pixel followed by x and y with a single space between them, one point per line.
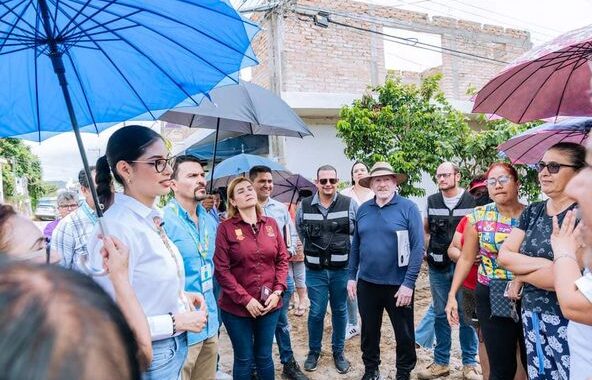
pixel 342 60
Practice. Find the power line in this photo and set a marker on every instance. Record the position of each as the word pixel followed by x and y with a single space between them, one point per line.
pixel 413 42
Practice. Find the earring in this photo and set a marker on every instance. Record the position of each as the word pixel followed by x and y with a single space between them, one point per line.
pixel 129 181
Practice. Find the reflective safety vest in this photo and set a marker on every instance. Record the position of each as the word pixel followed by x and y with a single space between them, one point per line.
pixel 327 237
pixel 442 222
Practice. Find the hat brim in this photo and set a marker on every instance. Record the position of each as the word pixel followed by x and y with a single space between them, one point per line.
pixel 400 178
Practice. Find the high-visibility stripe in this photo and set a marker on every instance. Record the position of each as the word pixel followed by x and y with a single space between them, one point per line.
pixel 312 217
pixel 462 211
pixel 437 258
pixel 313 259
pixel 337 258
pixel 337 215
pixel 438 211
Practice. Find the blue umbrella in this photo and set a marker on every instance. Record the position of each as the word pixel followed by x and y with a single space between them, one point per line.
pixel 104 61
pixel 242 163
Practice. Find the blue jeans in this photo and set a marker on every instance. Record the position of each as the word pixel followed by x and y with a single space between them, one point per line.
pixel 327 285
pixel 168 356
pixel 440 282
pixel 282 331
pixel 425 333
pixel 252 340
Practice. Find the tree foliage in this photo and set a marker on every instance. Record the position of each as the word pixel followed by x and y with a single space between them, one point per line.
pixel 21 163
pixel 415 128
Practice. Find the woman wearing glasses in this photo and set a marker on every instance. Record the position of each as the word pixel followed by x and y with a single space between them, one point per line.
pixel 487 228
pixel 139 160
pixel 528 254
pixel 67 202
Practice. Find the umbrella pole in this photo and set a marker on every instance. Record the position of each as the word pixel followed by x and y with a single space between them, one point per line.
pixel 215 152
pixel 58 66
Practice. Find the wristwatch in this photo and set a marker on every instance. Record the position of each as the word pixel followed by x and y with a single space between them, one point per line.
pixel 278 293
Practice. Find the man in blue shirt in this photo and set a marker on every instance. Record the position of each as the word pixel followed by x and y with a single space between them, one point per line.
pixel 193 230
pixel 263 183
pixel 385 259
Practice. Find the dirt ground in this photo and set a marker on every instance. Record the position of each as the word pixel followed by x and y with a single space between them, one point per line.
pixel 326 369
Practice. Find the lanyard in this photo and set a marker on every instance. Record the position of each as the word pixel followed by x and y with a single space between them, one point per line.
pixel 158 224
pixel 202 249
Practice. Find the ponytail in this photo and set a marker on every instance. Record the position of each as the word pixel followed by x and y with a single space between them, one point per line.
pixel 104 183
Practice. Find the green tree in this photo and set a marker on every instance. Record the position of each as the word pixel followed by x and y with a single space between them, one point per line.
pixel 415 128
pixel 22 163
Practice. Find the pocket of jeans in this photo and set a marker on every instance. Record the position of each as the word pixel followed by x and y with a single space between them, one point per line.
pixel 161 358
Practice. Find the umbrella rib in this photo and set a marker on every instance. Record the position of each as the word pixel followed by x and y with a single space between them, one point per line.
pixel 19 18
pixel 55 17
pixel 92 116
pixel 78 13
pixel 120 73
pixel 565 89
pixel 188 26
pixel 149 59
pixel 86 31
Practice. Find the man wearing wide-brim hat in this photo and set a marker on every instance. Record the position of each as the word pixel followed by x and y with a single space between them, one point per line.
pixel 386 255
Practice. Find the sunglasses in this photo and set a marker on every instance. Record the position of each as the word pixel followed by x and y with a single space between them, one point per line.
pixel 159 164
pixel 443 175
pixel 324 181
pixel 502 180
pixel 553 167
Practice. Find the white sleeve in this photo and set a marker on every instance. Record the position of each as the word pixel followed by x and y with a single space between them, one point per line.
pixel 161 326
pixel 584 285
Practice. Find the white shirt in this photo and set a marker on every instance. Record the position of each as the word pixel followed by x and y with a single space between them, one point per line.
pixel 349 192
pixel 153 272
pixel 579 337
pixel 450 202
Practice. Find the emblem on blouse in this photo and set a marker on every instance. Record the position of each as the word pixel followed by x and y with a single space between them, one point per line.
pixel 269 231
pixel 239 234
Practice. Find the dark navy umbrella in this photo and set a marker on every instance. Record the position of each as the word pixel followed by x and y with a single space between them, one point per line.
pixel 68 64
pixel 530 146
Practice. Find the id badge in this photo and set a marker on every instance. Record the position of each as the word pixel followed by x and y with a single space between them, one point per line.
pixel 207 282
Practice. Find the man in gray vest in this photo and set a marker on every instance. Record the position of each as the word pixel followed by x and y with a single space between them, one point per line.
pixel 325 223
pixel 445 209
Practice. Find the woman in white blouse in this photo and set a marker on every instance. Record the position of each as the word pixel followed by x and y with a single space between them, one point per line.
pixel 358 194
pixel 572 251
pixel 138 159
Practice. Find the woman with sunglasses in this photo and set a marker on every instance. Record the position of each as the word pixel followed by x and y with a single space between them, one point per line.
pixel 487 228
pixel 528 254
pixel 251 266
pixel 138 159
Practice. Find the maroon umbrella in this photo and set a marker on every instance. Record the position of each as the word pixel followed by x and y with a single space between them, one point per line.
pixel 550 80
pixel 529 146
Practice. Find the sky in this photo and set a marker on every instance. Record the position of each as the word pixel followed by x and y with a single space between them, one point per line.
pixel 544 19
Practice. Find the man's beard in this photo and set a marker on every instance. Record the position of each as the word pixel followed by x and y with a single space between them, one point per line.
pixel 199 197
pixel 447 187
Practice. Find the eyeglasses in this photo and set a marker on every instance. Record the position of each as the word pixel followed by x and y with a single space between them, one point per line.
pixel 72 206
pixel 502 180
pixel 444 175
pixel 324 181
pixel 159 164
pixel 553 167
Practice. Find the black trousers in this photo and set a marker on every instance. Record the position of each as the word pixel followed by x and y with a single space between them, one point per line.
pixel 373 299
pixel 501 337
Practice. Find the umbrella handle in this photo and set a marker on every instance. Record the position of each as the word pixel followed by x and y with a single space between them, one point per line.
pixel 84 258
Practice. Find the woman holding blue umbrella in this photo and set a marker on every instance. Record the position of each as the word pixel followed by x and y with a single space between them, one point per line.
pixel 139 161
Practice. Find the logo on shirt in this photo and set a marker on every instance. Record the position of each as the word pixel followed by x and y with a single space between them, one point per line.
pixel 239 234
pixel 269 231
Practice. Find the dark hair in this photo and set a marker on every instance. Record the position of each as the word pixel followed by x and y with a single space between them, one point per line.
pixel 326 168
pixel 126 144
pixel 83 179
pixel 507 167
pixel 255 170
pixel 575 152
pixel 58 324
pixel 6 212
pixel 181 159
pixel 353 181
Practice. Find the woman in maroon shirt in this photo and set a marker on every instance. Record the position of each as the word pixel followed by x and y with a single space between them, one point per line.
pixel 251 266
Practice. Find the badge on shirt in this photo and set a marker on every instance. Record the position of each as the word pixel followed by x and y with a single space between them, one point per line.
pixel 269 231
pixel 239 234
pixel 206 278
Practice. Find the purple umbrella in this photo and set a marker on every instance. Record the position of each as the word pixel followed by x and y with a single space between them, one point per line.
pixel 288 189
pixel 529 147
pixel 550 80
